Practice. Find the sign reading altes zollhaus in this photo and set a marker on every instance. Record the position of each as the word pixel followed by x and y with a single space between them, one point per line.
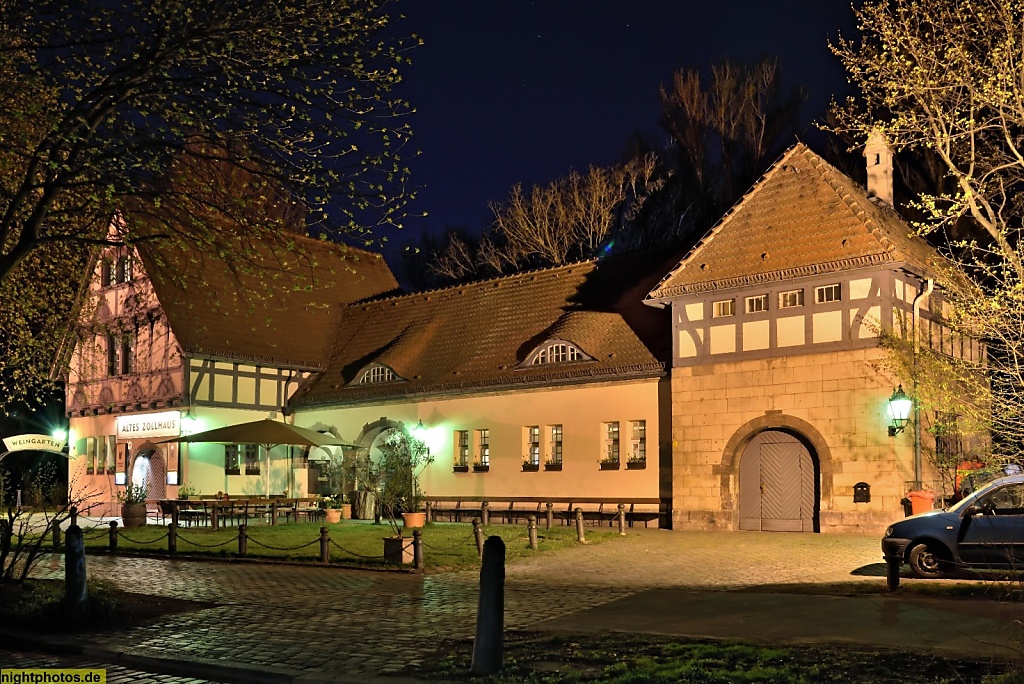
pixel 34 443
pixel 145 425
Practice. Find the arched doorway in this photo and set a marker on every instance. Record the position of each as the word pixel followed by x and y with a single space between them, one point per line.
pixel 149 469
pixel 778 484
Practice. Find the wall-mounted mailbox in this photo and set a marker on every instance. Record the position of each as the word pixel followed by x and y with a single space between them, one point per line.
pixel 861 492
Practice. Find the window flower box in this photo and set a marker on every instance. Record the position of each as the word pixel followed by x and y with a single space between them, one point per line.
pixel 481 467
pixel 609 464
pixel 637 464
pixel 531 467
pixel 457 468
pixel 552 465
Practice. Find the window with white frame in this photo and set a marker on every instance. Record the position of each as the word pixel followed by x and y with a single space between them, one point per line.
pixel 723 308
pixel 558 352
pixel 462 447
pixel 251 454
pixel 555 454
pixel 106 272
pixel 533 444
pixel 757 304
pixel 123 269
pixel 791 299
pixel 112 352
pixel 483 447
pixel 127 353
pixel 827 293
pixel 231 465
pixel 611 442
pixel 90 455
pixel 376 374
pixel 638 443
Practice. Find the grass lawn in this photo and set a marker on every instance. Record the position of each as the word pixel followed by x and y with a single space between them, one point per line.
pixel 648 659
pixel 445 545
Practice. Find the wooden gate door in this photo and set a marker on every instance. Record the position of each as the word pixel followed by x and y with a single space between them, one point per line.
pixel 777 484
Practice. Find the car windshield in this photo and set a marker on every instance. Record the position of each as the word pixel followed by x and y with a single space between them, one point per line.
pixel 960 504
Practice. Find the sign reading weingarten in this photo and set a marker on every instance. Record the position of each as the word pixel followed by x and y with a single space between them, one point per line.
pixel 166 424
pixel 34 443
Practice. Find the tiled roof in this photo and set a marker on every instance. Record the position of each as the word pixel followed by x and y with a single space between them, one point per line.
pixel 282 307
pixel 477 335
pixel 802 218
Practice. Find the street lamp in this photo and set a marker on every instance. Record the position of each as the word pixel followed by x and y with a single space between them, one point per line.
pixel 899 411
pixel 419 433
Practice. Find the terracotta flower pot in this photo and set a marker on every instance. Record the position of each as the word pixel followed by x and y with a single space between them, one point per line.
pixel 413 520
pixel 346 512
pixel 332 515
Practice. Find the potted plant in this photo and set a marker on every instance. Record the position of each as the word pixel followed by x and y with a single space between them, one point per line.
pixel 133 505
pixel 397 474
pixel 636 462
pixel 333 507
pixel 528 465
pixel 335 471
pixel 552 464
pixel 186 490
pixel 480 467
pixel 609 463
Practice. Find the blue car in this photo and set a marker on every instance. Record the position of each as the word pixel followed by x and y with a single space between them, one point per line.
pixel 984 530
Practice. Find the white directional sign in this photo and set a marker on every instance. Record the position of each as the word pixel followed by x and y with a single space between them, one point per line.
pixel 34 443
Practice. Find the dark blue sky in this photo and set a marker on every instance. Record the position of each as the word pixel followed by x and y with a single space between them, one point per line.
pixel 513 91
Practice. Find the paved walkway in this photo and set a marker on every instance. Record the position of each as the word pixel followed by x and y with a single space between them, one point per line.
pixel 283 622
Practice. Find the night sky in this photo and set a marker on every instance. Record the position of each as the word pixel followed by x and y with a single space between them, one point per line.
pixel 514 91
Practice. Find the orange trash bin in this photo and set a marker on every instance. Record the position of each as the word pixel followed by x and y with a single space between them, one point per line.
pixel 921 501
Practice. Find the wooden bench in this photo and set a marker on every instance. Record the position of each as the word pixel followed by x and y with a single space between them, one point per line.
pixel 510 510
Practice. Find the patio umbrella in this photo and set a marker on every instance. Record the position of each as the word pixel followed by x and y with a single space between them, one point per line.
pixel 265 433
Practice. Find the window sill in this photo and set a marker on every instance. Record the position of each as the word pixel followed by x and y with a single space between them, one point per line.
pixel 610 465
pixel 531 467
pixel 460 469
pixel 481 468
pixel 636 465
pixel 232 472
pixel 552 466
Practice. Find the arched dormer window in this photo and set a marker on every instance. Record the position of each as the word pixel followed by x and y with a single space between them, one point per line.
pixel 377 373
pixel 556 352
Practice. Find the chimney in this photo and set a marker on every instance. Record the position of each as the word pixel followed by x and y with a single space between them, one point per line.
pixel 878 153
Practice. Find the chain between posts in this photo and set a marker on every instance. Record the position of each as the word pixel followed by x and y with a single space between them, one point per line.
pixel 453 546
pixel 207 546
pixel 280 548
pixel 122 535
pixel 351 553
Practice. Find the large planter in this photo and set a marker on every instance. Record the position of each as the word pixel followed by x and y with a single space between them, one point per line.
pixel 332 515
pixel 346 512
pixel 413 520
pixel 133 515
pixel 398 550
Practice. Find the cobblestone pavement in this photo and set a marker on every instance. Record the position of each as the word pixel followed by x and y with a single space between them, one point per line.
pixel 116 674
pixel 305 619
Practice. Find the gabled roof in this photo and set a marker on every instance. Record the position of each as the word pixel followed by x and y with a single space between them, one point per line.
pixel 280 305
pixel 479 334
pixel 802 218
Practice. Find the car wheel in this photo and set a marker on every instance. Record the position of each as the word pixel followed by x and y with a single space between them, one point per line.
pixel 926 562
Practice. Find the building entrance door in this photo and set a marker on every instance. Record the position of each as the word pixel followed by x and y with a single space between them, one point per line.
pixel 778 485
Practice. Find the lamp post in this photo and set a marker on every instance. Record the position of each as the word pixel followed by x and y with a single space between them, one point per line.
pixel 899 411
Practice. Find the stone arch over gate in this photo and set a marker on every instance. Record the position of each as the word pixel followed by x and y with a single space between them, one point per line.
pixel 148 463
pixel 801 430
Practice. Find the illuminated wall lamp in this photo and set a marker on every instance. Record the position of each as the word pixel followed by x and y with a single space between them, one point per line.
pixel 899 411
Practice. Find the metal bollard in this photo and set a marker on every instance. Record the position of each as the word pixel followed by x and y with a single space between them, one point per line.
pixel 892 552
pixel 214 521
pixel 74 515
pixel 551 514
pixel 113 535
pixel 579 526
pixel 243 539
pixel 430 512
pixel 417 548
pixel 76 589
pixel 485 514
pixel 56 535
pixel 488 646
pixel 478 532
pixel 531 523
pixel 622 519
pixel 273 513
pixel 174 512
pixel 325 545
pixel 172 539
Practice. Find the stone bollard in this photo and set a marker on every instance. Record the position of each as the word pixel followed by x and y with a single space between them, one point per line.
pixel 214 517
pixel 579 526
pixel 243 539
pixel 488 646
pixel 76 590
pixel 417 549
pixel 430 512
pixel 531 523
pixel 892 551
pixel 622 519
pixel 485 514
pixel 551 514
pixel 325 545
pixel 478 532
pixel 273 513
pixel 113 535
pixel 172 539
pixel 174 512
pixel 74 515
pixel 56 535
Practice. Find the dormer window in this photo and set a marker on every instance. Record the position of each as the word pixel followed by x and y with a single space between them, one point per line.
pixel 376 374
pixel 556 352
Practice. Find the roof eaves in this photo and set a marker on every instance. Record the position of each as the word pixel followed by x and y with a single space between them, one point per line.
pixel 261 360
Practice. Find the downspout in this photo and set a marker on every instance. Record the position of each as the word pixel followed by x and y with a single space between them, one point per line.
pixel 926 291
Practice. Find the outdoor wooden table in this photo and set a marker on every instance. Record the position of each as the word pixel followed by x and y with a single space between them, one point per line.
pixel 216 511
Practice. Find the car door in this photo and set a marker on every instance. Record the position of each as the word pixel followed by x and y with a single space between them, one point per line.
pixel 995 538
